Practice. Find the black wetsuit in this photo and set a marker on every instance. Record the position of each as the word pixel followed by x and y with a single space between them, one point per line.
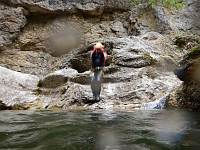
pixel 98 59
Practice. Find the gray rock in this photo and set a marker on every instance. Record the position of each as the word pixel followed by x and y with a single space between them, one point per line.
pixel 17 88
pixel 188 18
pixel 57 78
pixel 125 87
pixel 3 106
pixel 151 36
pixel 89 7
pixel 162 19
pixel 117 28
pixel 128 87
pixel 12 20
pixel 30 62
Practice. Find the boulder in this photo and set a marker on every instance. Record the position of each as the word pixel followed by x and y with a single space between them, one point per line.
pixel 187 95
pixel 57 78
pixel 17 88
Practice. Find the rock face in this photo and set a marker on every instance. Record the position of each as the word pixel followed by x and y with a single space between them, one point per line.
pixel 12 20
pixel 88 7
pixel 36 63
pixel 46 45
pixel 188 18
pixel 135 76
pixel 187 95
pixel 45 62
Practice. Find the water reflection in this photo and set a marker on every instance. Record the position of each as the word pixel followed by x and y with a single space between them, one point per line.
pixel 107 139
pixel 171 126
pixel 99 131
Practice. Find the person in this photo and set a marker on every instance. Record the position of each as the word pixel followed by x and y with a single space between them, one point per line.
pixel 98 56
pixel 98 59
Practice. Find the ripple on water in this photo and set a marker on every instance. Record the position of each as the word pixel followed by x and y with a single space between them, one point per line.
pixel 139 130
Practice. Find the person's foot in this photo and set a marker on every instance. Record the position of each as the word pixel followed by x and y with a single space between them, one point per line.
pixel 96 98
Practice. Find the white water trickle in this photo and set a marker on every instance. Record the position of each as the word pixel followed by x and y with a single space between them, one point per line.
pixel 157 104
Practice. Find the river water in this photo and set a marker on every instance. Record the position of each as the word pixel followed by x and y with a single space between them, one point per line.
pixel 139 130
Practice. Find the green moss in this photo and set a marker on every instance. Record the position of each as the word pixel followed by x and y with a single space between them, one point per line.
pixel 192 55
pixel 135 2
pixel 177 4
pixel 185 40
pixel 195 52
pixel 149 59
pixel 19 107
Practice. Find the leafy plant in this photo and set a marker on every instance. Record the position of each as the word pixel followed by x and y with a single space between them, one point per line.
pixel 177 4
pixel 135 2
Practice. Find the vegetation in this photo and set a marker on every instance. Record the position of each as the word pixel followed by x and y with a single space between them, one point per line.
pixel 195 52
pixel 177 4
pixel 149 59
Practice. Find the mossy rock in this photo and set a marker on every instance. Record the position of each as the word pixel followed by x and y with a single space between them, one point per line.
pixel 19 107
pixel 195 53
pixel 191 56
pixel 3 106
pixel 182 40
pixel 149 59
pixel 170 4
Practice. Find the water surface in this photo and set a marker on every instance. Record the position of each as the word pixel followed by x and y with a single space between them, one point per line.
pixel 139 130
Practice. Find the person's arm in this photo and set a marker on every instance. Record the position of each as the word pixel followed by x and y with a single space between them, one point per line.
pixel 91 52
pixel 105 55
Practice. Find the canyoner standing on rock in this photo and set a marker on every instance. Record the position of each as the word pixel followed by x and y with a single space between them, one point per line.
pixel 98 60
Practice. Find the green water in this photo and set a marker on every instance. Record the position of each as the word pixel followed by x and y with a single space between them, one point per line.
pixel 139 130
